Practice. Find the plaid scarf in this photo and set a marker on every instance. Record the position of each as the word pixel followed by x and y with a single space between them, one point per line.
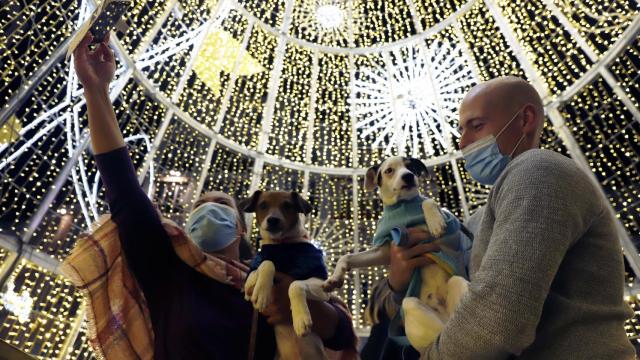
pixel 118 321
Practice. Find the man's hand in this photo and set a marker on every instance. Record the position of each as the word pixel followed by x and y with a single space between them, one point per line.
pixel 279 310
pixel 404 260
pixel 95 68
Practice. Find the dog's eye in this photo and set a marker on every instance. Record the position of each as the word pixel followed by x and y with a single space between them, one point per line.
pixel 263 205
pixel 287 205
pixel 388 171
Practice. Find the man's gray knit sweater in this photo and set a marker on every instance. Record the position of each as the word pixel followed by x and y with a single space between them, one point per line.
pixel 546 271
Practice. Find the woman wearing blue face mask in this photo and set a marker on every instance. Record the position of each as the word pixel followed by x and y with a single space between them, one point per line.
pixel 192 315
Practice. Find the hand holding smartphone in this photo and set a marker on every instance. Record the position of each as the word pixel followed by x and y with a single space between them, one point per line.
pixel 108 18
pixel 102 21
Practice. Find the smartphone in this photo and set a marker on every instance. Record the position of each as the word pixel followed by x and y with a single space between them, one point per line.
pixel 108 19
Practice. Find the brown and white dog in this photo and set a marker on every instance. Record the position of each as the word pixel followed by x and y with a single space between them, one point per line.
pixel 280 217
pixel 440 292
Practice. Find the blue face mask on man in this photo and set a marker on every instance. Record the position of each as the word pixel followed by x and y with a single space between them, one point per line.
pixel 483 159
pixel 212 226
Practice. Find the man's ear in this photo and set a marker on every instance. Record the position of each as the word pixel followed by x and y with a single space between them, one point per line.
pixel 417 167
pixel 530 118
pixel 370 179
pixel 249 204
pixel 302 205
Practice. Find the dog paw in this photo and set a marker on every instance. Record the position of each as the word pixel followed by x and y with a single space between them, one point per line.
pixel 434 218
pixel 336 280
pixel 249 285
pixel 301 322
pixel 248 291
pixel 332 283
pixel 437 225
pixel 261 296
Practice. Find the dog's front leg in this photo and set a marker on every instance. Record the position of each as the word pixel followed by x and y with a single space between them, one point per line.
pixel 371 257
pixel 261 296
pixel 299 292
pixel 250 284
pixel 434 218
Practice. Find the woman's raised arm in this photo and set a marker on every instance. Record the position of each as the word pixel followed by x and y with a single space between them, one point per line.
pixel 95 71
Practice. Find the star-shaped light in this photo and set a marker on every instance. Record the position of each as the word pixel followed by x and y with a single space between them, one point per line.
pixel 413 98
pixel 10 131
pixel 218 53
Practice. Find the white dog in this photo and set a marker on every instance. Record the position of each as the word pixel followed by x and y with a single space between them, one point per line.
pixel 439 289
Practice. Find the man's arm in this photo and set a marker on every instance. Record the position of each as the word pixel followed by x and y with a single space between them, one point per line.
pixel 540 210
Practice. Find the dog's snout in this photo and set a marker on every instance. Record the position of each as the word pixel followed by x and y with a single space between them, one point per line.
pixel 409 179
pixel 273 222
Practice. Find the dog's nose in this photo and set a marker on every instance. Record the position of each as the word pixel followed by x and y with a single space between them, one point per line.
pixel 273 222
pixel 409 179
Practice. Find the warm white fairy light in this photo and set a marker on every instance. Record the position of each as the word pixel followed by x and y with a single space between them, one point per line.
pixel 413 98
pixel 323 21
pixel 18 304
pixel 330 16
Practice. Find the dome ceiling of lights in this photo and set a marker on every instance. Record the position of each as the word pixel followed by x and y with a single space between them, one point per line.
pixel 239 95
pixel 396 77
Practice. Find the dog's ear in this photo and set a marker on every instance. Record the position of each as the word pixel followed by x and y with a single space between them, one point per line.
pixel 371 178
pixel 249 204
pixel 417 167
pixel 302 205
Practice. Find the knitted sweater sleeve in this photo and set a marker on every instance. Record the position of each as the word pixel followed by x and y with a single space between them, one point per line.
pixel 541 206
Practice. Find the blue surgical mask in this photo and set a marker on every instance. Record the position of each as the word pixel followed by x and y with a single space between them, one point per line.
pixel 483 159
pixel 212 226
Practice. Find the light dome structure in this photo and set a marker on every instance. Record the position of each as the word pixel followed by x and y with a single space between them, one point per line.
pixel 241 95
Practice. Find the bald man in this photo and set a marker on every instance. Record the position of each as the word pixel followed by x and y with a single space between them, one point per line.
pixel 546 267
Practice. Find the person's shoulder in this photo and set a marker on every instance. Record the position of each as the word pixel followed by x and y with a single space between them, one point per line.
pixel 544 158
pixel 540 164
pixel 541 173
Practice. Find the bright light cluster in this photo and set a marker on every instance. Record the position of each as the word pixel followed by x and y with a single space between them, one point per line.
pixel 18 304
pixel 330 16
pixel 413 98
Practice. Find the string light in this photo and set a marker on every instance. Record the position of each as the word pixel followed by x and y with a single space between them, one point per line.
pixel 55 308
